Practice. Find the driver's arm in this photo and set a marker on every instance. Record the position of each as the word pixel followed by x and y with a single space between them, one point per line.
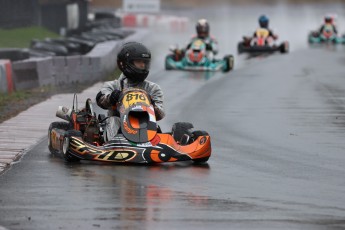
pixel 214 44
pixel 335 29
pixel 156 94
pixel 271 34
pixel 321 29
pixel 103 96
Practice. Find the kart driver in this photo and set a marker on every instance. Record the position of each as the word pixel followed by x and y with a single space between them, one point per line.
pixel 134 62
pixel 203 32
pixel 263 23
pixel 328 25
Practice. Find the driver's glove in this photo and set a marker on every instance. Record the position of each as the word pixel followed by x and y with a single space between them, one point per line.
pixel 114 96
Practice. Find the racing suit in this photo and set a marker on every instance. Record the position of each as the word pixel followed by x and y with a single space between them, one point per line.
pixel 113 123
pixel 327 26
pixel 271 34
pixel 211 45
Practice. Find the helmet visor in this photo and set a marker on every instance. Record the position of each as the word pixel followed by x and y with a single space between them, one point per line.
pixel 141 64
pixel 328 20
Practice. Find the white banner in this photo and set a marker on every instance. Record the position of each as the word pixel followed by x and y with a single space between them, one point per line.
pixel 141 6
pixel 72 16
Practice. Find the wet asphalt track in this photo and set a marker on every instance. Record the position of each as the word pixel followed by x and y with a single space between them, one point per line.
pixel 277 125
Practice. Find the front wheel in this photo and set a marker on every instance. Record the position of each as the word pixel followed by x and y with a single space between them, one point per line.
pixel 56 125
pixel 229 63
pixel 66 145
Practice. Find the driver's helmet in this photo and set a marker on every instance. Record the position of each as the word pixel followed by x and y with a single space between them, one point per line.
pixel 134 61
pixel 328 19
pixel 263 21
pixel 202 28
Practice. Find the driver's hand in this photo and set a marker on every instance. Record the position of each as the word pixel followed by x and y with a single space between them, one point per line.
pixel 114 96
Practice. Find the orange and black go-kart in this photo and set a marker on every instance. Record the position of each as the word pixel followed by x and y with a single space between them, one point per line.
pixel 139 140
pixel 261 43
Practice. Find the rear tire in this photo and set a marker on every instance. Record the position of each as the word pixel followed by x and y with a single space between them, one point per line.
pixel 284 47
pixel 199 133
pixel 167 66
pixel 240 47
pixel 179 129
pixel 229 60
pixel 56 125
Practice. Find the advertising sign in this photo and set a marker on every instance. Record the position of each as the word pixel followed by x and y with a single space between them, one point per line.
pixel 141 6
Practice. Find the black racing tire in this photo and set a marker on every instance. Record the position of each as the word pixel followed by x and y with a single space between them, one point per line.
pixel 55 48
pixel 167 66
pixel 240 48
pixel 65 145
pixel 179 129
pixel 229 60
pixel 284 47
pixel 56 125
pixel 198 133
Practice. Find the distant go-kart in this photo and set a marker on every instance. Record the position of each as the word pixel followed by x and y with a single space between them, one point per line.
pixel 197 58
pixel 327 36
pixel 140 139
pixel 261 43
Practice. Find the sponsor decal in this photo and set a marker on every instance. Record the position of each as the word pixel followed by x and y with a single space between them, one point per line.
pixel 137 107
pixel 147 144
pixel 133 98
pixel 122 155
pixel 129 130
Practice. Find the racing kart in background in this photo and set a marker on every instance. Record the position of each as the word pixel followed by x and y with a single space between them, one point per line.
pixel 197 58
pixel 262 43
pixel 139 140
pixel 327 36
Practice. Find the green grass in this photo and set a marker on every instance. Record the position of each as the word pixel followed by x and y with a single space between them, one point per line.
pixel 13 97
pixel 21 37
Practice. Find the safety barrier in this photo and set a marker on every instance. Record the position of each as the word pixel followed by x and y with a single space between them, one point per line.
pixel 6 81
pixel 160 22
pixel 60 70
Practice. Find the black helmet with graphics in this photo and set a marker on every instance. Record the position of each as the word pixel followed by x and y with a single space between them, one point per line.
pixel 202 28
pixel 328 19
pixel 130 54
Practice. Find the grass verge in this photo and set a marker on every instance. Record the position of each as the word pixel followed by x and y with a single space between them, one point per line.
pixel 21 37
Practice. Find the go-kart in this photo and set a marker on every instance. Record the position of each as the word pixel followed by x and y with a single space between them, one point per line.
pixel 197 58
pixel 327 36
pixel 261 43
pixel 140 140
